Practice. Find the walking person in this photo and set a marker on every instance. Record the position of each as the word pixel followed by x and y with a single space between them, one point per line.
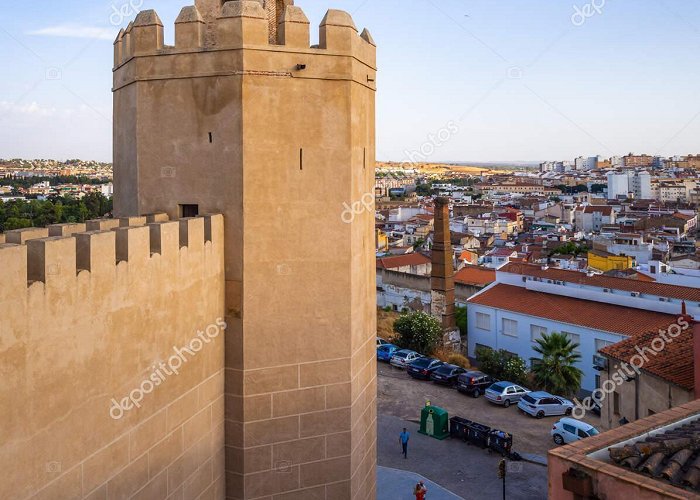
pixel 420 490
pixel 403 438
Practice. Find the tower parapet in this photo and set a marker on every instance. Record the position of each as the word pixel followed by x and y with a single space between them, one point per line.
pixel 243 24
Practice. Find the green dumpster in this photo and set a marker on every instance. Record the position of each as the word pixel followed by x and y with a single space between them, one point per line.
pixel 434 422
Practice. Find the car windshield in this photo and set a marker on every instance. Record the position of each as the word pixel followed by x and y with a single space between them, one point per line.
pixel 592 431
pixel 529 399
pixel 423 362
pixel 498 387
pixel 386 347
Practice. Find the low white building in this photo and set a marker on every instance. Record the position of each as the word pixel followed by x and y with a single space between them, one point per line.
pixel 595 311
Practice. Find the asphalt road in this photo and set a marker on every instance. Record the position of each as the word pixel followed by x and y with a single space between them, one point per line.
pixel 467 471
pixel 401 396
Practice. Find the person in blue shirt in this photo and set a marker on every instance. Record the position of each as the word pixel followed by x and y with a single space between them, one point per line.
pixel 403 437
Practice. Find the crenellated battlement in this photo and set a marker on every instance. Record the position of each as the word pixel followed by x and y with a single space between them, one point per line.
pixel 56 255
pixel 243 24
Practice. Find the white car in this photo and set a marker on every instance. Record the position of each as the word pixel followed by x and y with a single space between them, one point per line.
pixel 404 357
pixel 543 404
pixel 567 430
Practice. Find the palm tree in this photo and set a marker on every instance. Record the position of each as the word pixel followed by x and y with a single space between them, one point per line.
pixel 556 372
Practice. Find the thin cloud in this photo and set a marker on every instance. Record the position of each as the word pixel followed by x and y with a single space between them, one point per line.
pixel 75 31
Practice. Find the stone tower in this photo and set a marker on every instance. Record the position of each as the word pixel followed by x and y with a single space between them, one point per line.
pixel 242 117
pixel 442 282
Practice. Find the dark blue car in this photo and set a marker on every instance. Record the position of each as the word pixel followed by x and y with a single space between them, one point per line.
pixel 423 368
pixel 385 352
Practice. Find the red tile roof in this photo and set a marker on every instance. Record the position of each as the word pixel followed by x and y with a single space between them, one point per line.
pixel 673 364
pixel 411 259
pixel 595 315
pixel 502 252
pixel 681 216
pixel 593 209
pixel 475 275
pixel 630 285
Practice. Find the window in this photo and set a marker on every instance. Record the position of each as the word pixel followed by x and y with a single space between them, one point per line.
pixel 189 211
pixel 536 332
pixel 600 344
pixel 483 321
pixel 582 434
pixel 510 327
pixel 616 403
pixel 575 339
pixel 482 346
pixel 570 428
pixel 534 363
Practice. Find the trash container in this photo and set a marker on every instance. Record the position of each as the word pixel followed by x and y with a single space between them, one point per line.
pixel 434 422
pixel 500 442
pixel 458 428
pixel 478 434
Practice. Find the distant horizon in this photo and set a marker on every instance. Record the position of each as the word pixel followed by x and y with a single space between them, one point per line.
pixel 457 163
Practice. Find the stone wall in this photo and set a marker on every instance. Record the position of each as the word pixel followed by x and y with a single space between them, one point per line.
pixel 87 319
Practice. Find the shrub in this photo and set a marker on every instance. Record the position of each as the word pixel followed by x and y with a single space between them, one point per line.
pixel 451 357
pixel 458 360
pixel 502 365
pixel 418 331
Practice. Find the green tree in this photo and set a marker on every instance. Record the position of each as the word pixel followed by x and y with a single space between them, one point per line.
pixel 418 331
pixel 16 223
pixel 556 372
pixel 461 319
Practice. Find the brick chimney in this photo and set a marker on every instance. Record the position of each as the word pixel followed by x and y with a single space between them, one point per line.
pixel 442 283
pixel 695 325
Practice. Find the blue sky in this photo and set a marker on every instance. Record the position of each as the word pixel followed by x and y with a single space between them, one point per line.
pixel 516 79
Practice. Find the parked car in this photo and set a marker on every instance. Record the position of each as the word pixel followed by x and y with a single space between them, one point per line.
pixel 505 393
pixel 423 368
pixel 381 341
pixel 386 351
pixel 567 430
pixel 404 357
pixel 543 404
pixel 474 383
pixel 447 375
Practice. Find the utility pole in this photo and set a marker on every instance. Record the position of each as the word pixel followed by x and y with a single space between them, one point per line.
pixel 502 475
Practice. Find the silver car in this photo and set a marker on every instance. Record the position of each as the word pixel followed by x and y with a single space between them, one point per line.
pixel 543 404
pixel 403 358
pixel 505 393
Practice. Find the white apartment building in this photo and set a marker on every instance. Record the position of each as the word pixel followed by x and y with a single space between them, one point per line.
pixel 622 184
pixel 595 311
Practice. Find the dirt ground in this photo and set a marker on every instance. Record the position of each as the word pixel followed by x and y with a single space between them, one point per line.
pixel 403 397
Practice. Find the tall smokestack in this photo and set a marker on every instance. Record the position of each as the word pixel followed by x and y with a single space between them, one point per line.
pixel 442 305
